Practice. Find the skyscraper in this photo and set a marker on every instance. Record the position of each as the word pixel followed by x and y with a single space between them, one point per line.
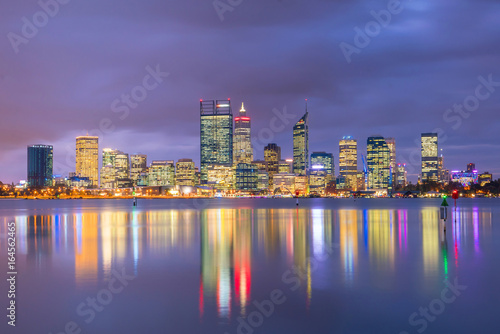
pixel 348 161
pixel 378 162
pixel 429 151
pixel 401 175
pixel 161 173
pixel 216 135
pixel 87 158
pixel 325 160
pixel 185 173
pixel 40 165
pixel 115 171
pixel 391 143
pixel 272 155
pixel 242 146
pixel 138 166
pixel 301 145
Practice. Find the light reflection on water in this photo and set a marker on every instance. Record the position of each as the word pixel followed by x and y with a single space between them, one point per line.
pixel 235 245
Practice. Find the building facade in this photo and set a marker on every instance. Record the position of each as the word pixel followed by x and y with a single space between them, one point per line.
pixel 242 143
pixel 87 158
pixel 247 177
pixel 429 153
pixel 301 145
pixel 378 163
pixel 40 165
pixel 272 156
pixel 185 173
pixel 138 166
pixel 216 135
pixel 348 161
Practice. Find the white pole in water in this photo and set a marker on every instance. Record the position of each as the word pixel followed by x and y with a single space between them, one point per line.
pixel 297 201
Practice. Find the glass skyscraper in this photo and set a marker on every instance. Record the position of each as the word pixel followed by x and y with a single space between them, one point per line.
pixel 216 135
pixel 272 155
pixel 325 160
pixel 242 149
pixel 87 158
pixel 348 161
pixel 40 165
pixel 429 151
pixel 378 161
pixel 301 145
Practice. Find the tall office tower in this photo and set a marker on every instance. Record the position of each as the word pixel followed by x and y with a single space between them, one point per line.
pixel 108 171
pixel 185 173
pixel 272 155
pixel 216 135
pixel 301 145
pixel 87 158
pixel 471 167
pixel 138 166
pixel 325 160
pixel 122 168
pixel 161 173
pixel 401 175
pixel 348 161
pixel 40 165
pixel 391 143
pixel 378 163
pixel 242 146
pixel 429 151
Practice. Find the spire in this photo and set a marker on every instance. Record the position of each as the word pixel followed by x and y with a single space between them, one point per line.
pixel 306 106
pixel 242 110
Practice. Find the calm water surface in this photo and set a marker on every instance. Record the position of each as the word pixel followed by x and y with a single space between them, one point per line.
pixel 253 266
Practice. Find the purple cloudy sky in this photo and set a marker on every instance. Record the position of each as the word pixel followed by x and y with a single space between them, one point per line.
pixel 268 53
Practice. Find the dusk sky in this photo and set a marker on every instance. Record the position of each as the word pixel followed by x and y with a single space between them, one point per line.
pixel 271 54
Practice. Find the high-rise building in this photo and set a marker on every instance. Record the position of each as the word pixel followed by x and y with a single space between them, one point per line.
pixel 348 161
pixel 301 145
pixel 40 165
pixel 272 155
pixel 325 160
pixel 378 163
pixel 87 158
pixel 161 173
pixel 115 171
pixel 247 177
pixel 471 167
pixel 138 166
pixel 185 173
pixel 216 135
pixel 391 143
pixel 429 152
pixel 242 146
pixel 401 175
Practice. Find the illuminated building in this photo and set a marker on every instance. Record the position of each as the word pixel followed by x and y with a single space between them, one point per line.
pixel 285 183
pixel 485 178
pixel 161 173
pixel 115 171
pixel 429 152
pixel 272 155
pixel 401 175
pixel 323 160
pixel 185 173
pixel 221 177
pixel 302 184
pixel 261 164
pixel 262 180
pixel 348 161
pixel 471 167
pixel 247 177
pixel 138 166
pixel 301 145
pixel 242 146
pixel 465 178
pixel 318 178
pixel 378 163
pixel 391 143
pixel 87 158
pixel 216 135
pixel 285 166
pixel 360 181
pixel 40 165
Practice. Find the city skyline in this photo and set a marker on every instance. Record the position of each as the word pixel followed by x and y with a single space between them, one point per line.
pixel 386 89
